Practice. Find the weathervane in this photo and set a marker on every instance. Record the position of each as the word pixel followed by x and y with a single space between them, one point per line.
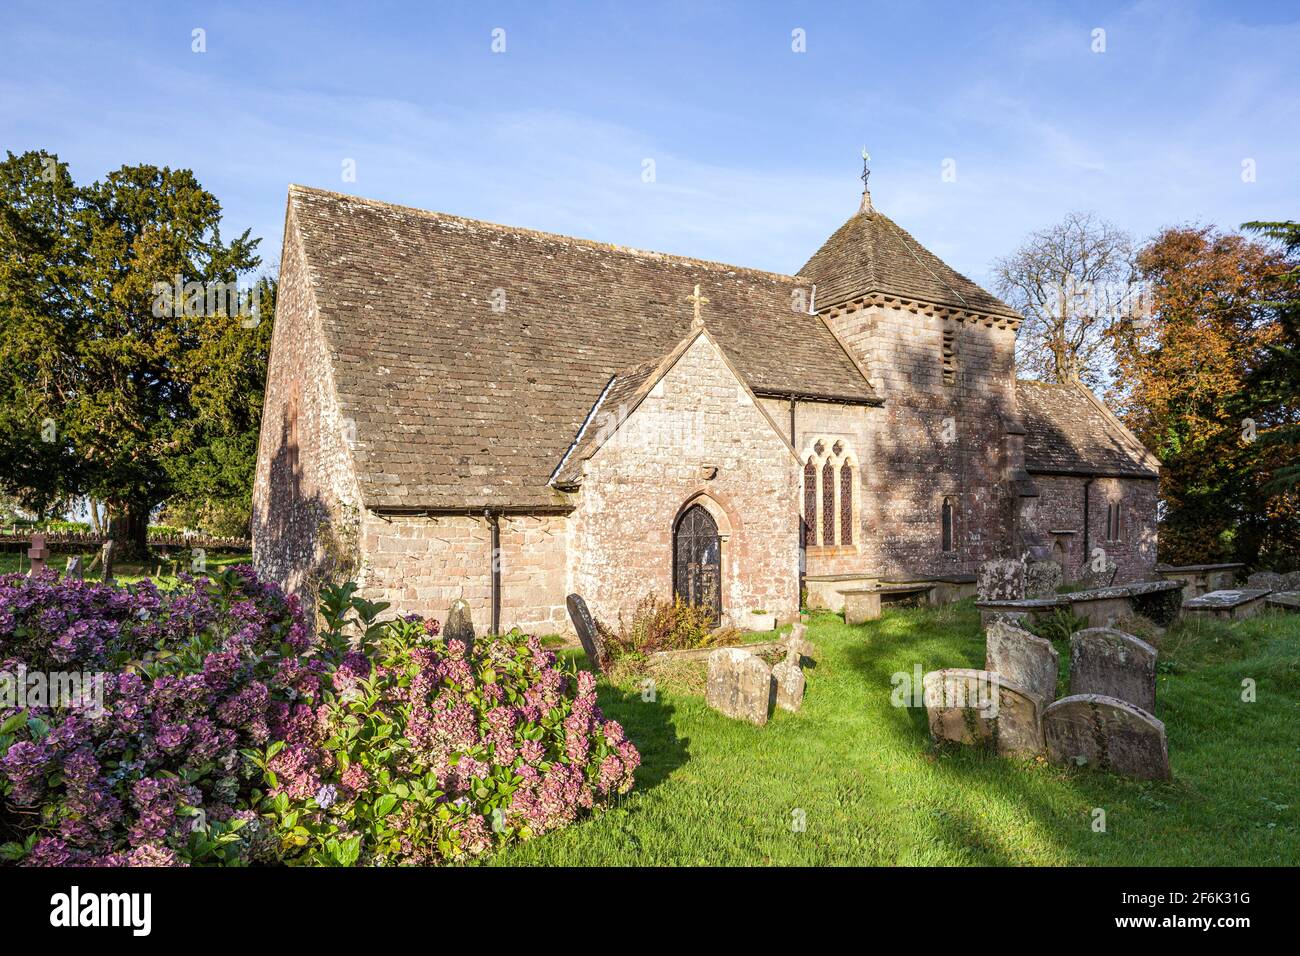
pixel 866 173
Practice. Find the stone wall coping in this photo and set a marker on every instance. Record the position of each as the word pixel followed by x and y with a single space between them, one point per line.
pixel 1228 597
pixel 1176 569
pixel 1122 591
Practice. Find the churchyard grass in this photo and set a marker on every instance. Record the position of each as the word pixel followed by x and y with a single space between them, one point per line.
pixel 863 779
pixel 125 572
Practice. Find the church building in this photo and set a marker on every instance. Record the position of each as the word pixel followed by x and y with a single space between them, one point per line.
pixel 458 409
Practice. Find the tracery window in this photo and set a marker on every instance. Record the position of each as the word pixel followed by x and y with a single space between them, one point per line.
pixel 830 493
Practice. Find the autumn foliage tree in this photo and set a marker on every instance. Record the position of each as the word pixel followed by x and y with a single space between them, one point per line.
pixel 1184 385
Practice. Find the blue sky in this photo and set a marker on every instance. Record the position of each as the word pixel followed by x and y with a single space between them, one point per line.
pixel 755 146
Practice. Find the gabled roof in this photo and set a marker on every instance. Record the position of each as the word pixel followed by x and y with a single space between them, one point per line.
pixel 1068 431
pixel 462 405
pixel 621 397
pixel 871 253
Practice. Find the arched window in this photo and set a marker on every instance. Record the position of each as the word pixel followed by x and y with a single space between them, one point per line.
pixel 810 503
pixel 946 520
pixel 846 503
pixel 828 503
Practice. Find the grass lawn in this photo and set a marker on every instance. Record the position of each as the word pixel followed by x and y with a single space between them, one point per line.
pixel 124 572
pixel 873 790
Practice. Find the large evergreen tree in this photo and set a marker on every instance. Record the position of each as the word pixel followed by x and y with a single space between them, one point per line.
pixel 126 374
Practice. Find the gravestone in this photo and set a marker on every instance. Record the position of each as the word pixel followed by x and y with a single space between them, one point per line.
pixel 1042 578
pixel 981 708
pixel 37 554
pixel 593 642
pixel 74 570
pixel 1291 581
pixel 1107 733
pixel 798 642
pixel 1261 581
pixel 106 562
pixel 1002 579
pixel 459 626
pixel 790 682
pixel 1093 578
pixel 740 685
pixel 1111 663
pixel 1025 659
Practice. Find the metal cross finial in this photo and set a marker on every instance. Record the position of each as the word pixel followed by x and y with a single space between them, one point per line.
pixel 697 300
pixel 866 173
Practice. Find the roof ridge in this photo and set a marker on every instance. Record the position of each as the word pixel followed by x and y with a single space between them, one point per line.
pixel 711 264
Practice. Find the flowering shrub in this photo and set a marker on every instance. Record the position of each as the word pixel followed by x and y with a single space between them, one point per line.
pixel 437 755
pixel 189 677
pixel 231 733
pixel 668 625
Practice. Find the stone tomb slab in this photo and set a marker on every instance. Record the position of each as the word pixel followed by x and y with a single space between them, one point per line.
pixel 1110 663
pixel 982 708
pixel 1025 659
pixel 1284 601
pixel 1229 604
pixel 1106 733
pixel 861 605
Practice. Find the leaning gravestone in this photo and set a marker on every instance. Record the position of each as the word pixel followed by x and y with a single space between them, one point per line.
pixel 1093 577
pixel 1107 733
pixel 1025 659
pixel 790 682
pixel 1002 579
pixel 593 642
pixel 982 708
pixel 74 570
pixel 106 563
pixel 1111 663
pixel 1262 580
pixel 1042 578
pixel 459 626
pixel 739 685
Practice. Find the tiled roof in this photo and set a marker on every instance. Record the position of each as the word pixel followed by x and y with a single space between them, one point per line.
pixel 1069 431
pixel 458 405
pixel 872 254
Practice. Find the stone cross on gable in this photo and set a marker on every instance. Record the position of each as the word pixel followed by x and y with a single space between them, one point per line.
pixel 697 300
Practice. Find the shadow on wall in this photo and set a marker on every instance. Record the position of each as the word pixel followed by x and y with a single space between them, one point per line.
pixel 296 538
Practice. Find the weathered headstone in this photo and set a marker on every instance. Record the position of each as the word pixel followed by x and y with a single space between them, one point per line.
pixel 1042 578
pixel 1264 581
pixel 1025 659
pixel 1291 581
pixel 593 642
pixel 37 554
pixel 798 642
pixel 74 570
pixel 790 682
pixel 1093 577
pixel 1111 663
pixel 1107 733
pixel 979 707
pixel 740 685
pixel 459 626
pixel 1002 579
pixel 106 562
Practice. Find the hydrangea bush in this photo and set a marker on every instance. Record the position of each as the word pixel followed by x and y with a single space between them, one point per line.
pixel 232 733
pixel 438 754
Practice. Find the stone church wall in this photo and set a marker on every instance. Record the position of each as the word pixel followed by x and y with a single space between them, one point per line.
pixel 699 421
pixel 932 439
pixel 1059 508
pixel 305 494
pixel 422 564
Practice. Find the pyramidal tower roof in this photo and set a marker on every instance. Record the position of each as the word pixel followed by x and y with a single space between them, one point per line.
pixel 872 254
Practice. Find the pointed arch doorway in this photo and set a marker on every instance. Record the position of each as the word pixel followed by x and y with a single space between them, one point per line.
pixel 697 561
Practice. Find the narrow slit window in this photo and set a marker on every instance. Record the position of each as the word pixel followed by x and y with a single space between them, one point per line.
pixel 949 356
pixel 945 520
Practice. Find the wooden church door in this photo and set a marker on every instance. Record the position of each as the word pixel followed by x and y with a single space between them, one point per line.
pixel 697 561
